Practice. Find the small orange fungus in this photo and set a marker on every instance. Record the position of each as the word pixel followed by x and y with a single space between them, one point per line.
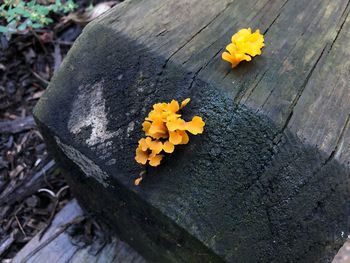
pixel 244 45
pixel 164 129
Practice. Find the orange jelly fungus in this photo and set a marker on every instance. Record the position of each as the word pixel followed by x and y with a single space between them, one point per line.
pixel 244 45
pixel 164 129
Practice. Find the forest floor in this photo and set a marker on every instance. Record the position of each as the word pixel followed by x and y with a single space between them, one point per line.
pixel 32 189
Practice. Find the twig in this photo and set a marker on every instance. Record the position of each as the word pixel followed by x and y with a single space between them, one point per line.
pixel 27 187
pixel 61 190
pixel 41 43
pixel 18 209
pixel 47 191
pixel 47 181
pixel 57 57
pixel 40 78
pixel 20 226
pixel 38 134
pixel 57 199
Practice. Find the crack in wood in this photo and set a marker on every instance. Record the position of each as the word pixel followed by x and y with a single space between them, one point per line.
pixel 240 98
pixel 278 15
pixel 196 34
pixel 201 68
pixel 339 139
pixel 194 78
pixel 346 14
pixel 301 90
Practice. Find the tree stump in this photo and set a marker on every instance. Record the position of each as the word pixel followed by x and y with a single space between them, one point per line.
pixel 267 181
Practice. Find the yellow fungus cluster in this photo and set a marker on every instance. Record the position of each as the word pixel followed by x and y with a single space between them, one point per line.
pixel 164 129
pixel 244 46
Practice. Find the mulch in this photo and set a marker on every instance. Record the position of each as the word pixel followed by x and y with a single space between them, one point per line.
pixel 32 189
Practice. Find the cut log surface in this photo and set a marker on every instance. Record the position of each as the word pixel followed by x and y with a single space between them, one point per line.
pixel 267 181
pixel 55 246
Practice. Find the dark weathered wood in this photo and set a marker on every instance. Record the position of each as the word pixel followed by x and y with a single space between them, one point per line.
pixel 269 178
pixel 17 125
pixel 115 251
pixel 60 249
pixel 5 243
pixel 28 186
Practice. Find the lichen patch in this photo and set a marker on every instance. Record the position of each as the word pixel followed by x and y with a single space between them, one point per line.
pixel 89 110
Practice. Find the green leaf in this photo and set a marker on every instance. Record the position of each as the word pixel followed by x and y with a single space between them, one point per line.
pixel 3 29
pixel 15 11
pixel 23 26
pixel 33 13
pixel 37 25
pixel 31 4
pixel 21 11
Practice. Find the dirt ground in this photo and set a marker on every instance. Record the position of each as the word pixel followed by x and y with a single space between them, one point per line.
pixel 32 189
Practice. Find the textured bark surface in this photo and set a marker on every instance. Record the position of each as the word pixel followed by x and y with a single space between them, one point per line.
pixel 269 178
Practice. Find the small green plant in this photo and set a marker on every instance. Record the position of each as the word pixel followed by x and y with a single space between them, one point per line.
pixel 20 15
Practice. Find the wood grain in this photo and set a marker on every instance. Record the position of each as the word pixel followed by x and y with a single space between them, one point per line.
pixel 268 178
pixel 306 55
pixel 60 249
